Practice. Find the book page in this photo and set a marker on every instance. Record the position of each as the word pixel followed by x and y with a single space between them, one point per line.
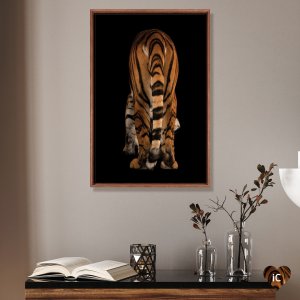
pixel 70 263
pixel 103 265
pixel 122 272
pixel 99 267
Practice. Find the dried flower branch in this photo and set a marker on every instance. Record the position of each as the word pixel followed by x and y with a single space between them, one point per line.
pixel 248 201
pixel 200 219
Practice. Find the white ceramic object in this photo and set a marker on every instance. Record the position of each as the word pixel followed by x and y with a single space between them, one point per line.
pixel 290 180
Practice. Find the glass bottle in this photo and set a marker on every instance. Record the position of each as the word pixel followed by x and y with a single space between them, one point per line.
pixel 206 256
pixel 238 251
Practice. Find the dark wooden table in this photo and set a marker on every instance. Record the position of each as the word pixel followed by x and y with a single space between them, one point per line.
pixel 167 285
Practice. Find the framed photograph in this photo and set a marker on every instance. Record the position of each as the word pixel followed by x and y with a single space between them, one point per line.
pixel 150 98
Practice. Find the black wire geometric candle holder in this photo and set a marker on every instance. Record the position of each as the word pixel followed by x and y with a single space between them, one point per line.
pixel 142 260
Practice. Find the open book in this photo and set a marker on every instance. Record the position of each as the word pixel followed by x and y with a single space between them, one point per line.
pixel 81 268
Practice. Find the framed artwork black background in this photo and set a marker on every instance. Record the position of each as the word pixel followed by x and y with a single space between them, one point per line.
pixel 112 34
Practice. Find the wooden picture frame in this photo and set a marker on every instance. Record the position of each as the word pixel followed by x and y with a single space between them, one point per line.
pixel 112 34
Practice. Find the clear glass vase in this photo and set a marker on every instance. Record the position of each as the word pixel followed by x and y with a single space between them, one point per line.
pixel 238 251
pixel 206 257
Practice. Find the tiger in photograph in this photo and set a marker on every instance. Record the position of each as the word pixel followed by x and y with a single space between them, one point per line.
pixel 150 116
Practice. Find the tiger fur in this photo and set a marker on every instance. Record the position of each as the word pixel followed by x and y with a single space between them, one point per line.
pixel 150 116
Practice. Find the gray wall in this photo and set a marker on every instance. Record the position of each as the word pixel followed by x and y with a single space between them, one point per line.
pixel 47 207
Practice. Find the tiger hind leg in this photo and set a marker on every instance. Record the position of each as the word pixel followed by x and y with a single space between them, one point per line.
pixel 131 141
pixel 142 127
pixel 168 154
pixel 168 149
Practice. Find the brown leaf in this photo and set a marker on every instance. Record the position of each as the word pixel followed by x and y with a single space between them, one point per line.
pixel 194 219
pixel 257 183
pixel 207 214
pixel 199 211
pixel 272 165
pixel 258 198
pixel 261 168
pixel 246 193
pixel 196 226
pixel 265 201
pixel 193 207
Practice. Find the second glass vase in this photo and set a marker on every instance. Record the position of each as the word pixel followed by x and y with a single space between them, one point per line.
pixel 238 251
pixel 206 257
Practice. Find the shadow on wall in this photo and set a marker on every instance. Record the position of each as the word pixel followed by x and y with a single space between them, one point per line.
pixel 13 187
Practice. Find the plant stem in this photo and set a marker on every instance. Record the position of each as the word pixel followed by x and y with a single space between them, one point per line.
pixel 205 263
pixel 223 208
pixel 240 235
pixel 204 231
pixel 256 204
